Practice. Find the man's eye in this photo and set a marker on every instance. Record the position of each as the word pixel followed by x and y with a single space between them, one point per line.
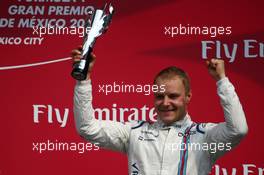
pixel 173 96
pixel 159 96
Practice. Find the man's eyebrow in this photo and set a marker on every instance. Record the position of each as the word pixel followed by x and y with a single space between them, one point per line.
pixel 159 94
pixel 164 93
pixel 174 94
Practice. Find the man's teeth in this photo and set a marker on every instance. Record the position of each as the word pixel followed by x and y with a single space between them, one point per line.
pixel 166 110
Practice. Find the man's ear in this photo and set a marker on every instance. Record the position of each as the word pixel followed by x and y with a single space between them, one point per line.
pixel 188 97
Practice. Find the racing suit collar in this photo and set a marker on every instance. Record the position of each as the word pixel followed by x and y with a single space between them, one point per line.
pixel 183 123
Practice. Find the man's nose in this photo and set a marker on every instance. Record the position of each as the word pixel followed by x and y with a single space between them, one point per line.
pixel 166 101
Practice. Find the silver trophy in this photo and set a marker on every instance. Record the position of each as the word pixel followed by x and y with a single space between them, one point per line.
pixel 98 24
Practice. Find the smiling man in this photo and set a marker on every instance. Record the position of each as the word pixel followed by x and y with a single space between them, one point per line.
pixel 171 105
pixel 166 147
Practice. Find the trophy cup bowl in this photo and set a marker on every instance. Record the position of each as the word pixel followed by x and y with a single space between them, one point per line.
pixel 98 25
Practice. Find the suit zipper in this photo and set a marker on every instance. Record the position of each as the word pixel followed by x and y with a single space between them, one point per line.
pixel 163 151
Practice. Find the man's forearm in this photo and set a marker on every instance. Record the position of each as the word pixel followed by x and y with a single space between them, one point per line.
pixel 233 111
pixel 83 110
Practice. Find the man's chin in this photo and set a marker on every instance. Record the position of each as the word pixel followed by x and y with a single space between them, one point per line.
pixel 167 119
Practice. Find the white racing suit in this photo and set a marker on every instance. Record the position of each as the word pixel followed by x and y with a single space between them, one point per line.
pixel 156 149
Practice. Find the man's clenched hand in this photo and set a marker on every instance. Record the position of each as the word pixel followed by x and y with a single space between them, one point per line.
pixel 216 68
pixel 76 56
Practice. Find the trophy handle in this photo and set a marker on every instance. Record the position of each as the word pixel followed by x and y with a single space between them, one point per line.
pixel 80 69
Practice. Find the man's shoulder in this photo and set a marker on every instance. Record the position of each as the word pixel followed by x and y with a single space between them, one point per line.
pixel 204 127
pixel 137 124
